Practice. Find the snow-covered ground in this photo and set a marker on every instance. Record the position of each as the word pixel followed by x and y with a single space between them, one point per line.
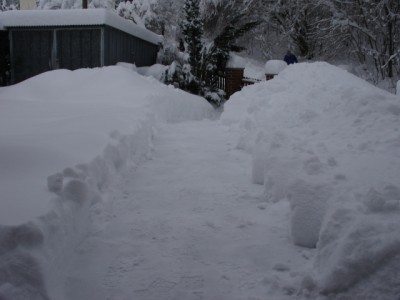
pixel 329 143
pixel 64 136
pixel 115 186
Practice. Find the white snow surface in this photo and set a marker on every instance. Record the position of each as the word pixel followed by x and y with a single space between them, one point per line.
pixel 274 67
pixel 329 143
pixel 75 17
pixel 65 136
pixel 72 118
pixel 115 186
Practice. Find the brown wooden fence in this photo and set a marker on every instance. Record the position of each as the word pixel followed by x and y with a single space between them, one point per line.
pixel 249 81
pixel 233 80
pixel 221 81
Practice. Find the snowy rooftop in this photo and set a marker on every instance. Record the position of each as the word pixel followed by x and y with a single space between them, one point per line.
pixel 274 67
pixel 236 61
pixel 74 17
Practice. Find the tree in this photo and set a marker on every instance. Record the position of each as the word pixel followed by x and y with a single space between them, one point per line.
pixel 208 56
pixel 369 29
pixel 217 55
pixel 192 29
pixel 9 5
pixel 128 11
pixel 293 21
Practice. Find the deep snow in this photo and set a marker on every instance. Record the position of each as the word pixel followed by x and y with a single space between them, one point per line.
pixel 114 191
pixel 64 136
pixel 177 227
pixel 62 118
pixel 329 143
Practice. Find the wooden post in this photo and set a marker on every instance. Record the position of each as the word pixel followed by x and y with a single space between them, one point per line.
pixel 234 77
pixel 84 4
pixel 269 76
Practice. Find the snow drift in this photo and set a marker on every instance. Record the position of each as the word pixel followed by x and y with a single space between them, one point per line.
pixel 329 143
pixel 64 136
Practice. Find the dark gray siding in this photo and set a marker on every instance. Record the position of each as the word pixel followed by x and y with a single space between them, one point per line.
pixel 79 48
pixel 4 58
pixel 37 50
pixel 122 47
pixel 30 53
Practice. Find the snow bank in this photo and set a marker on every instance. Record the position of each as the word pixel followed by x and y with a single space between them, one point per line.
pixel 64 136
pixel 329 143
pixel 157 71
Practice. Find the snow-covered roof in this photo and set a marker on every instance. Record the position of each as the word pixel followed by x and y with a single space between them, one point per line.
pixel 274 67
pixel 236 61
pixel 75 17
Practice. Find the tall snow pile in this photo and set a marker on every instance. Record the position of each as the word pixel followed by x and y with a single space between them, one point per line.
pixel 64 135
pixel 329 143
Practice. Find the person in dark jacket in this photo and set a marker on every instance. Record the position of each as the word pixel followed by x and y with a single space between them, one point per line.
pixel 290 58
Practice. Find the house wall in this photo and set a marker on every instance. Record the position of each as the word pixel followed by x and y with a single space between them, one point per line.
pixel 4 58
pixel 78 48
pixel 37 50
pixel 122 47
pixel 30 52
pixel 34 51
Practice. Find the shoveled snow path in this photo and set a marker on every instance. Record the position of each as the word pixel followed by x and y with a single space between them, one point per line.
pixel 188 224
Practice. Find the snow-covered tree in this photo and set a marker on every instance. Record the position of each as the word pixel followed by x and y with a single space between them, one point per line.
pixel 192 29
pixel 207 54
pixel 293 21
pixel 369 29
pixel 128 11
pixel 9 5
pixel 217 53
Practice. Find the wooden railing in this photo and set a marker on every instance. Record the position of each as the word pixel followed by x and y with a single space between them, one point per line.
pixel 232 80
pixel 221 81
pixel 249 81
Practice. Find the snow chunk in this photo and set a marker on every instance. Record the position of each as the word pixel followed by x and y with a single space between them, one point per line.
pixel 55 182
pixel 353 246
pixel 308 205
pixel 75 190
pixel 20 273
pixel 274 67
pixel 386 201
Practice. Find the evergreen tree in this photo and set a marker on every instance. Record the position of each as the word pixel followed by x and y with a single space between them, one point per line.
pixel 192 29
pixel 225 42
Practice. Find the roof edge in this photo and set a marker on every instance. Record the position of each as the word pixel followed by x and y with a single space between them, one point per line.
pixel 75 17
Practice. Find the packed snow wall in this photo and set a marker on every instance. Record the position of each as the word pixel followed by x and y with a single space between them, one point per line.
pixel 67 135
pixel 328 142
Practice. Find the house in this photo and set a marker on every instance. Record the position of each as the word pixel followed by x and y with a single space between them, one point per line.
pixel 44 40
